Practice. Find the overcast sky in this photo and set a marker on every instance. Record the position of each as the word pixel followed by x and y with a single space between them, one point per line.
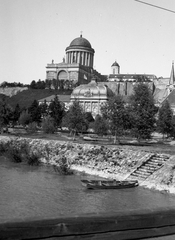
pixel 139 37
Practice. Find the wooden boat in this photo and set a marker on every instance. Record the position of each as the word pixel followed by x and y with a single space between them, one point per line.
pixel 111 184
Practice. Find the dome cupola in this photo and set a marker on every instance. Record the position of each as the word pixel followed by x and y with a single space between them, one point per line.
pixel 80 51
pixel 115 68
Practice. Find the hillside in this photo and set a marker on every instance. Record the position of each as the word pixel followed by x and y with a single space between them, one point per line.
pixel 26 97
pixel 11 91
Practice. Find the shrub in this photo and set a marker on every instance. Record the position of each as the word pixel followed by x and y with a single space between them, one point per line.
pixel 32 127
pixel 48 125
pixel 4 146
pixel 64 167
pixel 33 159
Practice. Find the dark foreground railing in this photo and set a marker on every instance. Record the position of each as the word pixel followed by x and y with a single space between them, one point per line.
pixel 121 225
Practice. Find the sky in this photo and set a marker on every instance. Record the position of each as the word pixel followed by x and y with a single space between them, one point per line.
pixel 141 38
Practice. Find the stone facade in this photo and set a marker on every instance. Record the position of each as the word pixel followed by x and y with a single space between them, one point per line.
pixel 91 96
pixel 77 68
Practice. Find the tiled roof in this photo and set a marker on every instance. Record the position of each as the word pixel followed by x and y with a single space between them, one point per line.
pixel 62 98
pixel 171 98
pixel 131 76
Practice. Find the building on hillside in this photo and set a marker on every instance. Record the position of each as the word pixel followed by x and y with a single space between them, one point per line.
pixel 91 96
pixel 171 99
pixel 164 87
pixel 64 99
pixel 116 76
pixel 77 67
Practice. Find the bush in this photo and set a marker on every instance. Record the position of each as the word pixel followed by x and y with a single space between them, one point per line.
pixel 19 151
pixel 64 167
pixel 33 159
pixel 48 125
pixel 32 127
pixel 3 148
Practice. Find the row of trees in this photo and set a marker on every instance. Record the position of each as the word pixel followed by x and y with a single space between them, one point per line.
pixel 54 83
pixel 139 117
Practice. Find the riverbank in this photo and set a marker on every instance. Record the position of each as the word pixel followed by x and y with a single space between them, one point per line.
pixel 106 162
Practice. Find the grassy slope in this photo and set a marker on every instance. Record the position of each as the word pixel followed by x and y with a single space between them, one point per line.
pixel 26 97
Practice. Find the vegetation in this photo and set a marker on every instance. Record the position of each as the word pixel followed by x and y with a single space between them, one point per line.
pixel 114 112
pixel 74 119
pixel 25 118
pixel 35 112
pixel 165 124
pixel 56 111
pixel 5 113
pixel 19 151
pixel 100 126
pixel 48 125
pixel 143 112
pixel 26 97
pixel 63 167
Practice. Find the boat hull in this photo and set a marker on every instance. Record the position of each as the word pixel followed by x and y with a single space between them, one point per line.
pixel 96 184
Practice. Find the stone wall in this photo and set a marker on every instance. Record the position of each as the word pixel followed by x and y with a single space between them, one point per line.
pixel 107 162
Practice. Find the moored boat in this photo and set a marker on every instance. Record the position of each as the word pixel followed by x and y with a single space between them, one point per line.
pixel 111 184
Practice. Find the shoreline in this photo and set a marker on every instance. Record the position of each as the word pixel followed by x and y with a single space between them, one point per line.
pixel 145 184
pixel 102 161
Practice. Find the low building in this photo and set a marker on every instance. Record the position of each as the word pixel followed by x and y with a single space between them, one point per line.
pixel 64 99
pixel 91 96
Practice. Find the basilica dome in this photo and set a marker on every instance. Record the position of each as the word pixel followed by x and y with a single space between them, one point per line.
pixel 80 51
pixel 80 41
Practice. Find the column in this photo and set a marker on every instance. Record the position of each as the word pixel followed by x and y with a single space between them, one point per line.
pixel 71 57
pixel 89 57
pixel 92 61
pixel 78 60
pixel 83 59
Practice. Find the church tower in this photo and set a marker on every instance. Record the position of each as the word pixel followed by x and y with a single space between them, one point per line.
pixel 115 68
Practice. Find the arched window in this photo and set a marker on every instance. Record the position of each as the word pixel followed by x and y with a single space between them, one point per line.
pixel 62 75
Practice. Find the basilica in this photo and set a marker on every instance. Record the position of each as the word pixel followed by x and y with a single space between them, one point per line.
pixel 90 87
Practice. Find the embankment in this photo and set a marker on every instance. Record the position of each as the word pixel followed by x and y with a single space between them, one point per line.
pixel 107 162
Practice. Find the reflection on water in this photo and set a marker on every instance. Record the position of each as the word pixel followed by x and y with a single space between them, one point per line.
pixel 39 192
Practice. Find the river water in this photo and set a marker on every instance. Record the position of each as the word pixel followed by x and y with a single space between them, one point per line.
pixel 28 193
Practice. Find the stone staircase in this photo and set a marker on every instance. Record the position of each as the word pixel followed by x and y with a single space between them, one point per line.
pixel 154 163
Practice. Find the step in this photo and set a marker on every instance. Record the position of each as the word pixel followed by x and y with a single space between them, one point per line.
pixel 143 173
pixel 154 164
pixel 152 168
pixel 144 170
pixel 157 161
pixel 138 176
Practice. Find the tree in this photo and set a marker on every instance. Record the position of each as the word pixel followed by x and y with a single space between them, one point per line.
pixel 115 113
pixel 55 83
pixel 88 117
pixel 100 125
pixel 48 83
pixel 5 113
pixel 44 109
pixel 24 118
pixel 33 84
pixel 165 119
pixel 75 118
pixel 35 112
pixel 143 112
pixel 48 125
pixel 56 111
pixel 16 113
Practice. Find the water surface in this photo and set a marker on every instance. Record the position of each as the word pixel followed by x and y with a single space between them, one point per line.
pixel 39 192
